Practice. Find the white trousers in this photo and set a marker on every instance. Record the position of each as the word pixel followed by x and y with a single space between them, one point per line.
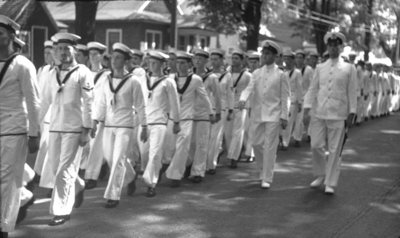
pixel 216 134
pixel 199 147
pixel 331 131
pixel 177 166
pixel 249 135
pixel 298 129
pixel 374 106
pixel 360 109
pixel 28 175
pixel 154 148
pixel 287 132
pixel 96 155
pixel 237 134
pixel 13 153
pixel 169 145
pixel 43 149
pixel 115 146
pixel 60 172
pixel 266 140
pixel 84 156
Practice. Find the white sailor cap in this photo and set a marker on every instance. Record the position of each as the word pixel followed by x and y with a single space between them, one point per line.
pixel 183 55
pixel 158 55
pixel 335 36
pixel 123 49
pixel 9 24
pixel 48 44
pixel 65 37
pixel 201 52
pixel 313 53
pixel 94 45
pixel 253 55
pixel 288 53
pixel 81 47
pixel 272 45
pixel 137 52
pixel 352 53
pixel 20 43
pixel 219 52
pixel 300 52
pixel 171 51
pixel 239 53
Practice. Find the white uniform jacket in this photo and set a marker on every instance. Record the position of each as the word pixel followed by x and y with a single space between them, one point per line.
pixel 334 87
pixel 296 88
pixel 210 81
pixel 19 85
pixel 271 90
pixel 226 86
pixel 70 94
pixel 162 99
pixel 118 100
pixel 307 74
pixel 190 90
pixel 240 82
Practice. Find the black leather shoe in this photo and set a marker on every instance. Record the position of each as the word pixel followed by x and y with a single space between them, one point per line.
pixel 151 192
pixel 131 188
pixel 36 179
pixel 111 203
pixel 30 186
pixel 24 210
pixel 197 179
pixel 79 197
pixel 59 220
pixel 4 234
pixel 233 164
pixel 81 173
pixel 90 184
pixel 211 171
pixel 187 171
pixel 175 183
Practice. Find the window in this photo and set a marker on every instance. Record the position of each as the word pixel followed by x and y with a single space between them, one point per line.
pixel 182 43
pixel 191 40
pixel 113 36
pixel 153 39
pixel 39 35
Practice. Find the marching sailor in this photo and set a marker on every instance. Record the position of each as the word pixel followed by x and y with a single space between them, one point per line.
pixel 18 86
pixel 69 91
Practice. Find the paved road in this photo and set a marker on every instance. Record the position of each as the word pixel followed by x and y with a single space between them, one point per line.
pixel 231 203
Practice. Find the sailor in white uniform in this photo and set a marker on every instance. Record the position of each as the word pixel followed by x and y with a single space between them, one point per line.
pixel 18 86
pixel 69 91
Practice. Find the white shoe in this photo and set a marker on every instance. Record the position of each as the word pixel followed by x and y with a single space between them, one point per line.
pixel 329 190
pixel 317 182
pixel 265 185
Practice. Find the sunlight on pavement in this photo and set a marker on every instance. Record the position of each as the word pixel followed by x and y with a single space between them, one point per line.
pixel 390 208
pixel 395 132
pixel 364 166
pixel 42 200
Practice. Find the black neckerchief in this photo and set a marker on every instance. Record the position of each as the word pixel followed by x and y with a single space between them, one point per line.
pixel 66 78
pixel 6 64
pixel 133 69
pixel 119 86
pixel 205 77
pixel 222 76
pixel 185 86
pixel 152 87
pixel 98 75
pixel 302 70
pixel 290 74
pixel 238 79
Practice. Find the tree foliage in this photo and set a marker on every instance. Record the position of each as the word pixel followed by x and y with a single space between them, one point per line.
pixel 85 19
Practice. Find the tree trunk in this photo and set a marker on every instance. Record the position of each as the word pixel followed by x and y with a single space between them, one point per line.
pixel 171 5
pixel 367 40
pixel 252 18
pixel 320 29
pixel 396 55
pixel 85 20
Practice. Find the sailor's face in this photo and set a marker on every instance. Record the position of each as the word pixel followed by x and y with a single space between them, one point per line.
pixel 5 37
pixel 95 56
pixel 254 64
pixel 65 52
pixel 267 56
pixel 199 61
pixel 154 65
pixel 136 60
pixel 236 60
pixel 216 60
pixel 182 66
pixel 117 60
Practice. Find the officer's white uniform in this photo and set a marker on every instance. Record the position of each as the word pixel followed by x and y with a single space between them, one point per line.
pixel 360 94
pixel 17 86
pixel 373 85
pixel 115 107
pixel 162 99
pixel 271 90
pixel 296 97
pixel 334 89
pixel 71 110
pixel 190 89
